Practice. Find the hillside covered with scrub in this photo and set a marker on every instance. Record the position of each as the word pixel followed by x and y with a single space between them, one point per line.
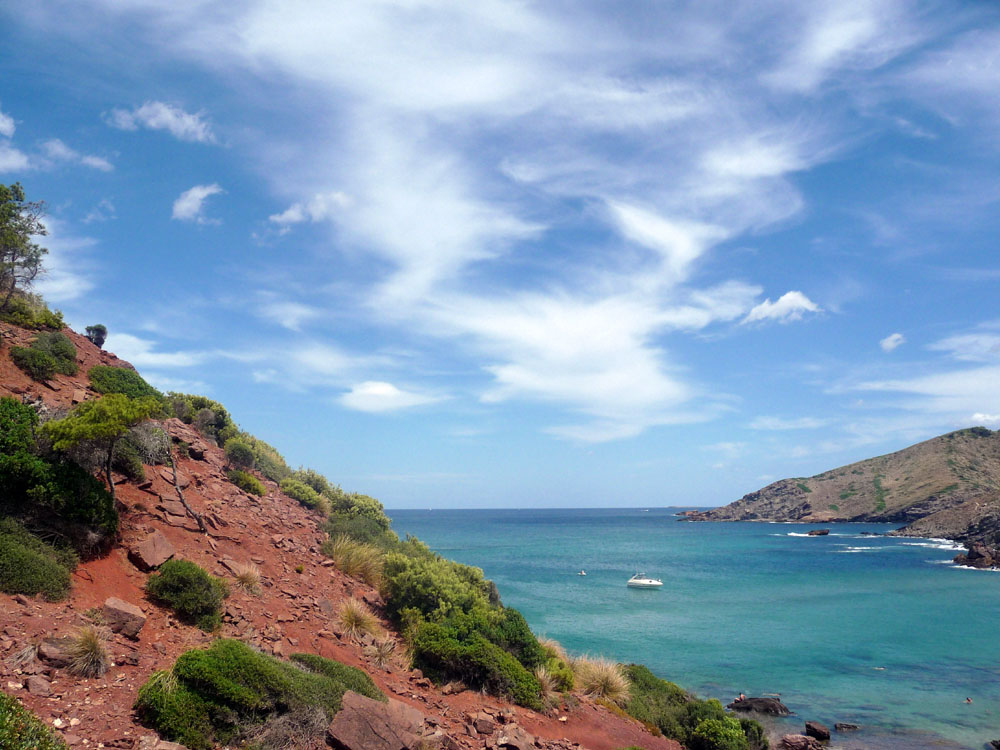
pixel 948 486
pixel 167 577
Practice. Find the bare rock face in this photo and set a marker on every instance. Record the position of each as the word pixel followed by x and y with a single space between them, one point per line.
pixel 819 532
pixel 769 706
pixel 800 742
pixel 152 552
pixel 979 555
pixel 366 724
pixel 817 730
pixel 122 617
pixel 54 651
pixel 515 738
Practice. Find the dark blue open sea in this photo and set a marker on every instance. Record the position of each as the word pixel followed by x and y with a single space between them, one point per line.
pixel 878 631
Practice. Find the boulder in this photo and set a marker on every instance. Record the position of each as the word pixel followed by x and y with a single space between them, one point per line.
pixel 819 532
pixel 978 555
pixel 995 744
pixel 38 685
pixel 515 738
pixel 817 730
pixel 770 706
pixel 122 617
pixel 152 552
pixel 366 724
pixel 55 651
pixel 483 723
pixel 843 726
pixel 800 742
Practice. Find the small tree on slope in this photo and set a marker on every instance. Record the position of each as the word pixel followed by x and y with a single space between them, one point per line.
pixel 101 424
pixel 20 257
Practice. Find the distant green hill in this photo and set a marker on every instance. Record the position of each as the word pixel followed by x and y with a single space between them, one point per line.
pixel 948 486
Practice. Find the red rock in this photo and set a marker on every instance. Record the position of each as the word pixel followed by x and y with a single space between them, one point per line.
pixel 38 686
pixel 79 396
pixel 817 730
pixel 123 617
pixel 366 724
pixel 152 552
pixel 515 738
pixel 800 742
pixel 53 651
pixel 483 723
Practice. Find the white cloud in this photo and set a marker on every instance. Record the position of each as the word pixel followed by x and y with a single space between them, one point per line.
pixel 788 307
pixel 69 272
pixel 141 352
pixel 7 126
pixel 191 204
pixel 321 207
pixel 779 423
pixel 978 346
pixel 892 342
pixel 957 393
pixel 290 315
pixel 58 151
pixel 985 419
pixel 103 211
pixel 156 115
pixel 379 397
pixel 12 159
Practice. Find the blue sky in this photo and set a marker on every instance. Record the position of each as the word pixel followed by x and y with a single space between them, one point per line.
pixel 517 254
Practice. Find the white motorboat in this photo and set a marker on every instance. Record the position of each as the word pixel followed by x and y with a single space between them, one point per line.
pixel 643 581
pixel 582 573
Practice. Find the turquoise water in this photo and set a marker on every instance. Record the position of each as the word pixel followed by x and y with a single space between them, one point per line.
pixel 877 631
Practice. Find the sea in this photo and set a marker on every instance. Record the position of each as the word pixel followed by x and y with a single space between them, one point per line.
pixel 883 632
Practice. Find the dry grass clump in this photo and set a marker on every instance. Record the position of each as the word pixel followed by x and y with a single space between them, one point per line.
pixel 88 653
pixel 357 619
pixel 24 656
pixel 382 652
pixel 299 728
pixel 248 578
pixel 550 692
pixel 553 649
pixel 356 559
pixel 601 678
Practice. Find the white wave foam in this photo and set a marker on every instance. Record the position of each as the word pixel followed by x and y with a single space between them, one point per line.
pixel 795 533
pixel 936 544
pixel 859 549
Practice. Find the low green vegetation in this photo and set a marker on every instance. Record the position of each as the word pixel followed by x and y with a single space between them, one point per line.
pixel 804 487
pixel 304 494
pixel 834 507
pixel 880 493
pixel 239 454
pixel 229 693
pixel 30 566
pixel 247 482
pixel 123 380
pixel 948 489
pixel 49 353
pixel 190 591
pixel 38 365
pixel 22 730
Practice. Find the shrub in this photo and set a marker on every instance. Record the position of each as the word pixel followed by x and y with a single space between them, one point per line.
pixel 247 482
pixel 60 348
pixel 355 559
pixel 38 364
pixel 547 683
pixel 126 459
pixel 210 697
pixel 88 654
pixel 302 492
pixel 443 655
pixel 30 311
pixel 269 462
pixel 602 678
pixel 718 734
pixel 755 734
pixel 22 730
pixel 190 591
pixel 30 566
pixel 239 454
pixel 357 619
pixel 314 479
pixel 97 334
pixel 432 586
pixel 561 674
pixel 350 677
pixel 655 701
pixel 382 652
pixel 359 528
pixel 122 380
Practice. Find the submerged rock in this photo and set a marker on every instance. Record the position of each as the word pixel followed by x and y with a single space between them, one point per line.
pixel 819 532
pixel 843 726
pixel 817 730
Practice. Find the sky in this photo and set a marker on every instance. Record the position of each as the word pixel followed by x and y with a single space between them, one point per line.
pixel 517 254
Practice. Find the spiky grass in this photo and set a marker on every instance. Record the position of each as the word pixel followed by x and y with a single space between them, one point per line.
pixel 550 693
pixel 248 578
pixel 88 654
pixel 356 559
pixel 601 678
pixel 382 652
pixel 553 649
pixel 23 657
pixel 357 619
pixel 163 680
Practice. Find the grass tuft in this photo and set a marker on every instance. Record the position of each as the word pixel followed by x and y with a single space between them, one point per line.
pixel 357 619
pixel 383 652
pixel 601 678
pixel 88 653
pixel 356 559
pixel 248 578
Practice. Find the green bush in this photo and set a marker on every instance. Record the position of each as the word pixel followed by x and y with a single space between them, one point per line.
pixel 60 348
pixel 269 462
pixel 30 311
pixel 123 380
pixel 127 459
pixel 190 591
pixel 360 529
pixel 561 674
pixel 30 566
pixel 22 730
pixel 17 426
pixel 39 365
pixel 97 334
pixel 655 701
pixel 718 734
pixel 433 586
pixel 355 504
pixel 350 677
pixel 302 492
pixel 216 696
pixel 443 653
pixel 314 479
pixel 755 734
pixel 247 482
pixel 239 454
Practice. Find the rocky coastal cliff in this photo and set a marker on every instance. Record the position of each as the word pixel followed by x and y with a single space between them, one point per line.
pixel 947 487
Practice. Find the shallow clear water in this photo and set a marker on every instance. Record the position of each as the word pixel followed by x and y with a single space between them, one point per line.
pixel 877 631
